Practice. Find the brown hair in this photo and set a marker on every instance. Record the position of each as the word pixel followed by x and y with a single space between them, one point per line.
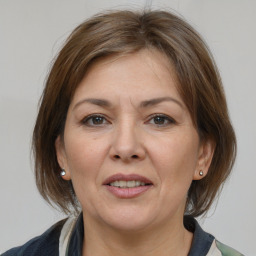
pixel 125 32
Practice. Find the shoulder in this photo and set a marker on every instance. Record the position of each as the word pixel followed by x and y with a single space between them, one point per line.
pixel 204 243
pixel 220 249
pixel 45 244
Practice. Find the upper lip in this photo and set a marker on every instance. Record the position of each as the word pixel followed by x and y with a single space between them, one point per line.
pixel 126 177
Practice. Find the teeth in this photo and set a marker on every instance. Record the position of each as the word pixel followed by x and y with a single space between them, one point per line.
pixel 127 184
pixel 131 184
pixel 122 184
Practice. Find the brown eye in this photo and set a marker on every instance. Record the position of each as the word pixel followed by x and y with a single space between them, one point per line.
pixel 94 120
pixel 161 120
pixel 97 120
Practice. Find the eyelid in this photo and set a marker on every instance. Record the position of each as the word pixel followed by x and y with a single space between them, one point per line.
pixel 170 119
pixel 85 119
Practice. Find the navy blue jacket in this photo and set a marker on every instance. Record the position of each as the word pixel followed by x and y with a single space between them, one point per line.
pixel 47 244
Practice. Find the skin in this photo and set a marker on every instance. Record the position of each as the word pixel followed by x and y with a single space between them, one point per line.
pixel 127 138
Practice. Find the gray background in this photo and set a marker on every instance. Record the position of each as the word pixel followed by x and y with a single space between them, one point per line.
pixel 32 31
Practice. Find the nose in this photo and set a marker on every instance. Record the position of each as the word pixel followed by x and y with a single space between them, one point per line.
pixel 127 143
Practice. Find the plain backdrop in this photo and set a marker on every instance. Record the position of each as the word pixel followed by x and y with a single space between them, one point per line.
pixel 31 33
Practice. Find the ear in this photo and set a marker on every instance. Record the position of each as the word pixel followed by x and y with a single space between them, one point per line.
pixel 61 157
pixel 205 155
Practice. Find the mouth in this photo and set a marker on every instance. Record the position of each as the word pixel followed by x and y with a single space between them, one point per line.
pixel 127 186
pixel 127 181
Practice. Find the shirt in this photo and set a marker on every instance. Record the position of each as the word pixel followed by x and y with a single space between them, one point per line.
pixel 65 238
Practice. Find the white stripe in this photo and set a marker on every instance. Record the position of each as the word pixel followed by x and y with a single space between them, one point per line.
pixel 214 251
pixel 65 235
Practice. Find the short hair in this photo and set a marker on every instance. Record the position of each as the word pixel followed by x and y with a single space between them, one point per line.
pixel 127 32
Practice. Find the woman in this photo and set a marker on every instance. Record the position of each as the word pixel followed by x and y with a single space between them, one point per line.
pixel 133 135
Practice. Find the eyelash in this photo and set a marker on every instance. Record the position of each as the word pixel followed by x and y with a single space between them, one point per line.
pixel 90 117
pixel 86 120
pixel 166 118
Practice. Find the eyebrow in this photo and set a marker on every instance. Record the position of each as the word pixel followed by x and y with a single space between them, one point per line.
pixel 98 102
pixel 155 101
pixel 143 104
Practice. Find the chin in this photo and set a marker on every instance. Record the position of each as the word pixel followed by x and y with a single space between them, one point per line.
pixel 129 220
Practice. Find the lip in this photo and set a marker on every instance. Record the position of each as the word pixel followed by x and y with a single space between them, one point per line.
pixel 127 193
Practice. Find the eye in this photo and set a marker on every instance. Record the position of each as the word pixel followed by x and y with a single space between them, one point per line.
pixel 161 120
pixel 94 120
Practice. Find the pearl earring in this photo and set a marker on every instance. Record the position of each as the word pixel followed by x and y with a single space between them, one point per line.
pixel 63 172
pixel 201 173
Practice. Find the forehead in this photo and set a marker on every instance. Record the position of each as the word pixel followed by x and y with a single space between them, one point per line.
pixel 146 72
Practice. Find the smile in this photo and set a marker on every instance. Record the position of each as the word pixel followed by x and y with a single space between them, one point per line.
pixel 127 186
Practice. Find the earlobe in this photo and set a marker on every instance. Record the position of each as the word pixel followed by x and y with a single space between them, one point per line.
pixel 205 155
pixel 61 158
pixel 65 175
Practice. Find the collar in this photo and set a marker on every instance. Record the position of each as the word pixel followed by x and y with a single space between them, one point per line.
pixel 75 245
pixel 201 243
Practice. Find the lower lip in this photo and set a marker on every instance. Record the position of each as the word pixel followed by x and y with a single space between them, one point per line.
pixel 128 192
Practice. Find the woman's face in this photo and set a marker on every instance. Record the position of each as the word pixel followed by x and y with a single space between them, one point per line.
pixel 129 144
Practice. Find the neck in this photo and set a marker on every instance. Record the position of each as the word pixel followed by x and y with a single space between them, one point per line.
pixel 167 239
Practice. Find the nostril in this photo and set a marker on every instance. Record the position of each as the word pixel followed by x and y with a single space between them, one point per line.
pixel 133 156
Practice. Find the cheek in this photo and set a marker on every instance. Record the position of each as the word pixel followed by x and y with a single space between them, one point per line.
pixel 176 157
pixel 84 155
